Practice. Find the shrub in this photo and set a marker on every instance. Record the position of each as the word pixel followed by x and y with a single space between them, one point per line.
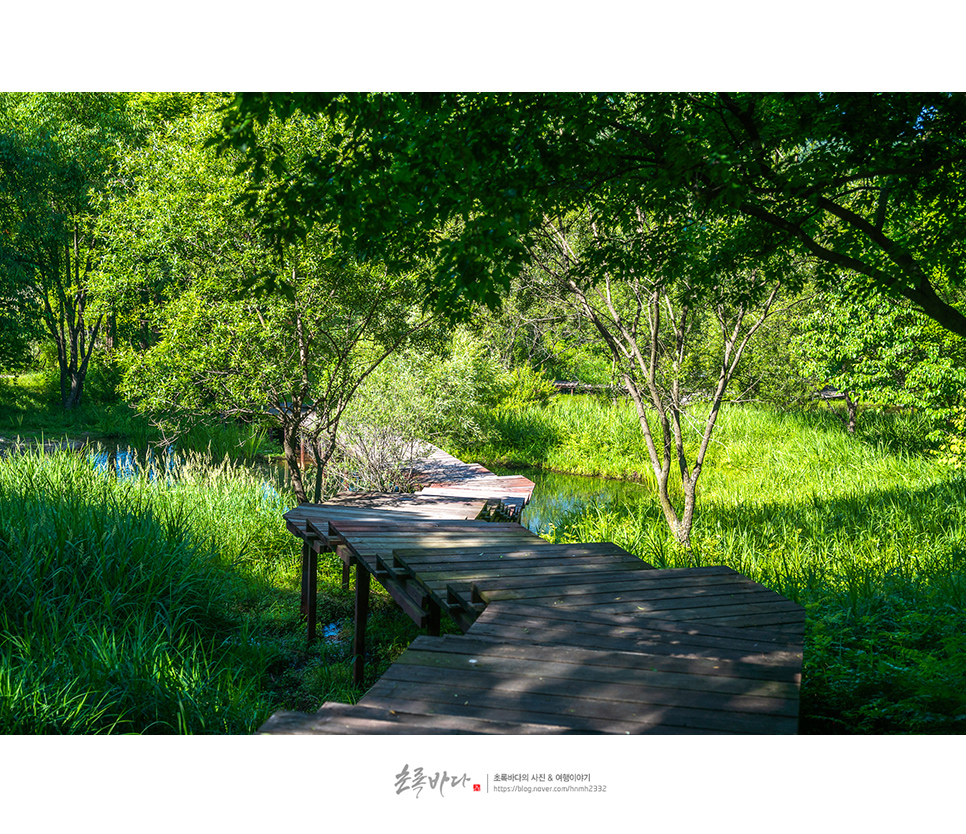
pixel 524 386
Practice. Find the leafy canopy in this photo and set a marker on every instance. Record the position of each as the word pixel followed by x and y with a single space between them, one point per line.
pixel 862 182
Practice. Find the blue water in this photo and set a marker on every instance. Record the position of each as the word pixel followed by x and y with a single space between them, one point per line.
pixel 130 463
pixel 557 495
pixel 161 464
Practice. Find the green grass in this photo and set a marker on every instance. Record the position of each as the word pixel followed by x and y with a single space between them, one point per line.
pixel 170 604
pixel 161 604
pixel 582 435
pixel 30 410
pixel 867 532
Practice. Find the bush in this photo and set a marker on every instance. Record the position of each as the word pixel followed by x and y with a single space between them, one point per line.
pixel 103 377
pixel 524 386
pixel 418 395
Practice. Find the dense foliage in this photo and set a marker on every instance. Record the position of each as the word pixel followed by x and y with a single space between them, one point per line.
pixel 117 603
pixel 336 277
pixel 862 182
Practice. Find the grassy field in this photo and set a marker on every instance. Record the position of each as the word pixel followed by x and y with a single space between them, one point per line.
pixel 169 603
pixel 30 411
pixel 162 602
pixel 867 532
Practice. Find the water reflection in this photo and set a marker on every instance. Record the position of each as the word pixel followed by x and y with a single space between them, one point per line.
pixel 557 495
pixel 131 463
pixel 162 462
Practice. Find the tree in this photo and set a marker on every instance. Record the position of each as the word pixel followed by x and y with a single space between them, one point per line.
pixel 658 331
pixel 57 156
pixel 865 182
pixel 882 353
pixel 188 266
pixel 431 392
pixel 533 332
pixel 17 324
pixel 292 362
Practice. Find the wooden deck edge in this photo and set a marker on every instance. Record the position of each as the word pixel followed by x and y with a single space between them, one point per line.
pixel 346 719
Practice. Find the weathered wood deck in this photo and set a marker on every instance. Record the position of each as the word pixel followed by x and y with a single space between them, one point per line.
pixel 581 638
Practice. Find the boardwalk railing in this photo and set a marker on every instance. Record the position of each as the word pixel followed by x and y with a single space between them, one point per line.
pixel 556 638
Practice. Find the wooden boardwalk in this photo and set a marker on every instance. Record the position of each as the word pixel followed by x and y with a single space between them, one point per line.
pixel 576 638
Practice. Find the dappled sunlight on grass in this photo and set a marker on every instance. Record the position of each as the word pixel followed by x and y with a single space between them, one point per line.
pixel 870 540
pixel 161 601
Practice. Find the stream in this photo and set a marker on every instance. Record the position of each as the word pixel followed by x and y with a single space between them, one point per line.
pixel 555 496
pixel 558 495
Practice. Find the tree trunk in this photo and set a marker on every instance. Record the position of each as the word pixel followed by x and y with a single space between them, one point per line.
pixel 290 447
pixel 853 412
pixel 74 360
pixel 73 390
pixel 322 458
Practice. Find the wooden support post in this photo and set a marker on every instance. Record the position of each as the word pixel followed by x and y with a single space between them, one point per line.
pixel 434 618
pixel 313 589
pixel 345 576
pixel 306 551
pixel 362 615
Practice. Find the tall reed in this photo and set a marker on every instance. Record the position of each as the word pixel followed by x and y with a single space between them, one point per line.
pixel 117 596
pixel 867 532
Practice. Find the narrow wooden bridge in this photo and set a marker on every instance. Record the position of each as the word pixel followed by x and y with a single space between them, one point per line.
pixel 576 638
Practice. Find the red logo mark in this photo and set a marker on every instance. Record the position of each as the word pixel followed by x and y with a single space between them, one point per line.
pixel 476 787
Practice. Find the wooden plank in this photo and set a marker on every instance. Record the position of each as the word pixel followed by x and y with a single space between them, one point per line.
pixel 623 661
pixel 446 562
pixel 626 588
pixel 444 525
pixel 572 567
pixel 413 511
pixel 560 708
pixel 415 555
pixel 403 541
pixel 507 549
pixel 356 527
pixel 383 499
pixel 602 579
pixel 395 499
pixel 524 680
pixel 464 538
pixel 744 611
pixel 639 640
pixel 550 664
pixel 657 590
pixel 794 618
pixel 414 514
pixel 752 600
pixel 479 491
pixel 707 573
pixel 749 638
pixel 389 546
pixel 510 713
pixel 344 719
